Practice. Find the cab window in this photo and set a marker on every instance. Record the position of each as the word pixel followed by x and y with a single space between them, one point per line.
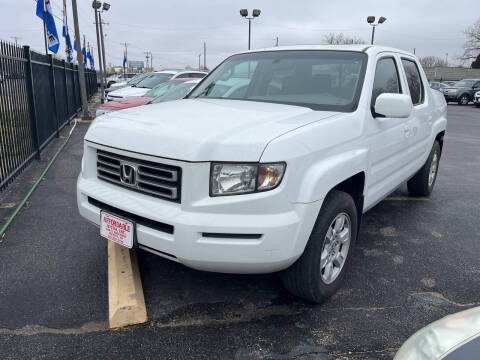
pixel 386 79
pixel 414 81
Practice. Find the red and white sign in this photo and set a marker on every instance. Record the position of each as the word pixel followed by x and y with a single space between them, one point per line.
pixel 116 229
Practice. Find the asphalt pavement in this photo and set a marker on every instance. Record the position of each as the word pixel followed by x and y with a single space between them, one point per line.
pixel 415 261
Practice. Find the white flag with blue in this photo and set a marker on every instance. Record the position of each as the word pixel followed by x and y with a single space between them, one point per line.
pixel 66 35
pixel 52 36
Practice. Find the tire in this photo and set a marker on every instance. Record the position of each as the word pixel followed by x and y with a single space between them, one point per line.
pixel 306 278
pixel 422 183
pixel 464 99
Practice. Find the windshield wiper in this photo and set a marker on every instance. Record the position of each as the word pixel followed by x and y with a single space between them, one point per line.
pixel 206 90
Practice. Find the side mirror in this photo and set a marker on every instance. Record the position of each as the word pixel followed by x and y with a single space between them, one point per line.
pixel 394 105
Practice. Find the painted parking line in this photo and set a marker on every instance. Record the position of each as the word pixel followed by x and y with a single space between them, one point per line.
pixel 126 301
pixel 406 198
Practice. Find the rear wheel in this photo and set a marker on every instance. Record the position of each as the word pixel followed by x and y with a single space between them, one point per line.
pixel 421 184
pixel 464 99
pixel 320 271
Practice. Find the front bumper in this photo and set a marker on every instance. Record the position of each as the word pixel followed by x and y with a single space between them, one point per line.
pixel 212 234
pixel 450 97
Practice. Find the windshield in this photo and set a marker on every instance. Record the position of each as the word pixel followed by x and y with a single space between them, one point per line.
pixel 161 89
pixel 135 80
pixel 465 83
pixel 178 92
pixel 321 80
pixel 153 80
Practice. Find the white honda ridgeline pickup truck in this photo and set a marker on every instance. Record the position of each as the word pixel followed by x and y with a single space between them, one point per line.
pixel 269 163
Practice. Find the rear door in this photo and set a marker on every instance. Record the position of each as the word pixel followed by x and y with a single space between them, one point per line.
pixel 421 120
pixel 387 136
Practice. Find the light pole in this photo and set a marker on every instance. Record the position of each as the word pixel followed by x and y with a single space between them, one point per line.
pixel 83 89
pixel 105 7
pixel 255 13
pixel 371 21
pixel 100 41
pixel 96 5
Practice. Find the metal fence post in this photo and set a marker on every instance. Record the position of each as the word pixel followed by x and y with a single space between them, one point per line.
pixel 66 87
pixel 31 100
pixel 54 93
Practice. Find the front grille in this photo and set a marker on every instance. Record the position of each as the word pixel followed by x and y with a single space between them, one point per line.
pixel 159 180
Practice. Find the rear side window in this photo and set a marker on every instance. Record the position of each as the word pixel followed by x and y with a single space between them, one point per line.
pixel 386 79
pixel 414 81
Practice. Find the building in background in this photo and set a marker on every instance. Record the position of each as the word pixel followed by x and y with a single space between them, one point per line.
pixel 135 65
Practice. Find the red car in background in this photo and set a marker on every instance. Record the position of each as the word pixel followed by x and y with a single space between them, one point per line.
pixel 140 100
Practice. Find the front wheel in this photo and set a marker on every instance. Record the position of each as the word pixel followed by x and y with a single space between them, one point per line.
pixel 320 271
pixel 464 100
pixel 421 184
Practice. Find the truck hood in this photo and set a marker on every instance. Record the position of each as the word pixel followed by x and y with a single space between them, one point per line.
pixel 129 91
pixel 201 129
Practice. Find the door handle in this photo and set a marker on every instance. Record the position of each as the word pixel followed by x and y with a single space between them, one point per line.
pixel 407 130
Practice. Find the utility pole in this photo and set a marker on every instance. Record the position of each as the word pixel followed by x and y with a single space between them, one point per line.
pixel 199 56
pixel 16 38
pixel 83 90
pixel 147 57
pixel 96 5
pixel 276 41
pixel 204 56
pixel 102 38
pixel 413 51
pixel 151 60
pixel 446 59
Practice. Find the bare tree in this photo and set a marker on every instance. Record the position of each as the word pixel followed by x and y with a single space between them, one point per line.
pixel 341 39
pixel 471 47
pixel 432 61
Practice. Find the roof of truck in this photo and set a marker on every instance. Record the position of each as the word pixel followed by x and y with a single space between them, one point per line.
pixel 369 49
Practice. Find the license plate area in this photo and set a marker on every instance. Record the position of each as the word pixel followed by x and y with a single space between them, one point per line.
pixel 117 229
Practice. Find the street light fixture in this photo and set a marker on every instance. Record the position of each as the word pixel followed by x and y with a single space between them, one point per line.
pixel 255 13
pixel 371 21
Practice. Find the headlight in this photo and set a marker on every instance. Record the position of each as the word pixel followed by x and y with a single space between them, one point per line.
pixel 234 179
pixel 102 111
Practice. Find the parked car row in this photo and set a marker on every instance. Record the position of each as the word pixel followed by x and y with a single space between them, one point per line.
pixel 170 90
pixel 149 81
pixel 462 92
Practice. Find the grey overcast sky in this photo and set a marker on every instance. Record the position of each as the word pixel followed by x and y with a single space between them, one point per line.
pixel 174 31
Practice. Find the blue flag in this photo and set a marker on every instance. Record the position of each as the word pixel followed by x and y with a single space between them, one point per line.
pixel 66 35
pixel 90 57
pixel 52 36
pixel 74 44
pixel 124 59
pixel 84 56
pixel 68 45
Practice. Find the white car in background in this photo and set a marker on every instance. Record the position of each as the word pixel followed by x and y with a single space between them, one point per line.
pixel 151 81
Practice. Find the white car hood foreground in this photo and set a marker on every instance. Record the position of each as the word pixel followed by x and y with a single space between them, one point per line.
pixel 129 91
pixel 200 129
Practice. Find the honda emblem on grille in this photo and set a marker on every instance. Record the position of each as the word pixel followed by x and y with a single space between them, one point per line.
pixel 127 174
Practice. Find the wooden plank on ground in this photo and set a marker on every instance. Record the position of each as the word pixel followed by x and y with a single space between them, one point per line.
pixel 126 301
